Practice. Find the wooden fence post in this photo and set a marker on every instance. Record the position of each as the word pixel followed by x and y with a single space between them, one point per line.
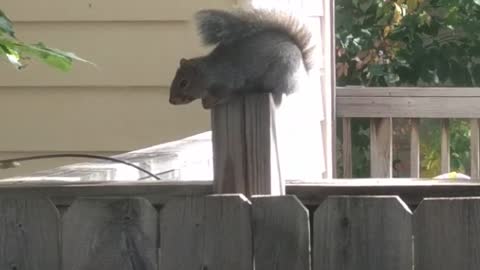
pixel 245 147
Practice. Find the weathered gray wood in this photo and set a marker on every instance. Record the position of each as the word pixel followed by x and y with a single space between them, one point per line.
pixel 245 147
pixel 110 233
pixel 228 233
pixel 212 232
pixel 373 233
pixel 182 238
pixel 446 234
pixel 64 193
pixel 281 233
pixel 29 234
pixel 445 147
pixel 474 149
pixel 381 147
pixel 360 91
pixel 262 156
pixel 228 143
pixel 347 147
pixel 415 148
pixel 421 107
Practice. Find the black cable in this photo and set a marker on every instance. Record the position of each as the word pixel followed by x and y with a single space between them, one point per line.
pixel 15 162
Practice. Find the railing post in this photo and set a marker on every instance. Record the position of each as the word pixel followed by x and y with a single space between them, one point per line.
pixel 381 147
pixel 474 148
pixel 415 148
pixel 347 147
pixel 245 147
pixel 445 147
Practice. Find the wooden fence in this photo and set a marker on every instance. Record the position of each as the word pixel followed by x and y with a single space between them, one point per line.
pixel 382 104
pixel 230 231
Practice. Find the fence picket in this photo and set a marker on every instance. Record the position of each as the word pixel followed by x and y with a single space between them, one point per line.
pixel 446 234
pixel 29 234
pixel 281 233
pixel 362 233
pixel 110 234
pixel 212 232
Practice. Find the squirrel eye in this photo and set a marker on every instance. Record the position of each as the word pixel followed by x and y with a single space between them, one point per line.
pixel 183 83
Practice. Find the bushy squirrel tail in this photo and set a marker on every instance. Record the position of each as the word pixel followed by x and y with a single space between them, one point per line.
pixel 223 27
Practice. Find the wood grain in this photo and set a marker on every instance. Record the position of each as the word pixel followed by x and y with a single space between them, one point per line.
pixel 212 232
pixel 445 147
pixel 446 234
pixel 347 147
pixel 262 145
pixel 362 233
pixel 401 107
pixel 281 233
pixel 381 147
pixel 182 225
pixel 245 147
pixel 415 148
pixel 64 193
pixel 228 233
pixel 229 151
pixel 29 234
pixel 474 149
pixel 110 233
pixel 360 91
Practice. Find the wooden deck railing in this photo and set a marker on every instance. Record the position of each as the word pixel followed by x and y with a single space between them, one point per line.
pixel 381 105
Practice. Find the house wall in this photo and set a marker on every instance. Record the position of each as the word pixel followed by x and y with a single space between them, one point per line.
pixel 118 106
pixel 122 104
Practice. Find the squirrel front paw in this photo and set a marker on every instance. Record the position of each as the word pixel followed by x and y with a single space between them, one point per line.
pixel 209 102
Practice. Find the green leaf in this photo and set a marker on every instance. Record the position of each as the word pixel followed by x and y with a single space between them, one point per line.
pixel 376 70
pixel 53 57
pixel 364 5
pixel 6 24
pixel 477 2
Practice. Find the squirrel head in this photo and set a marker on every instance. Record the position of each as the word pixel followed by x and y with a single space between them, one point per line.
pixel 189 83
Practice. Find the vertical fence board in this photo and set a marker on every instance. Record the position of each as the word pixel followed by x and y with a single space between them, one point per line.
pixel 181 234
pixel 29 234
pixel 415 148
pixel 347 147
pixel 474 149
pixel 445 147
pixel 228 233
pixel 212 232
pixel 362 233
pixel 447 233
pixel 245 146
pixel 281 233
pixel 110 234
pixel 381 147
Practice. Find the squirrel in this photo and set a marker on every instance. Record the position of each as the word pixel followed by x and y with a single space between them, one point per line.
pixel 256 51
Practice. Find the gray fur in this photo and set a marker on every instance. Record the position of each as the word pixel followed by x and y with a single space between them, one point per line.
pixel 223 27
pixel 256 51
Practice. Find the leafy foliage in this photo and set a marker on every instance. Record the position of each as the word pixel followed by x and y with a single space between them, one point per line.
pixel 410 43
pixel 18 53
